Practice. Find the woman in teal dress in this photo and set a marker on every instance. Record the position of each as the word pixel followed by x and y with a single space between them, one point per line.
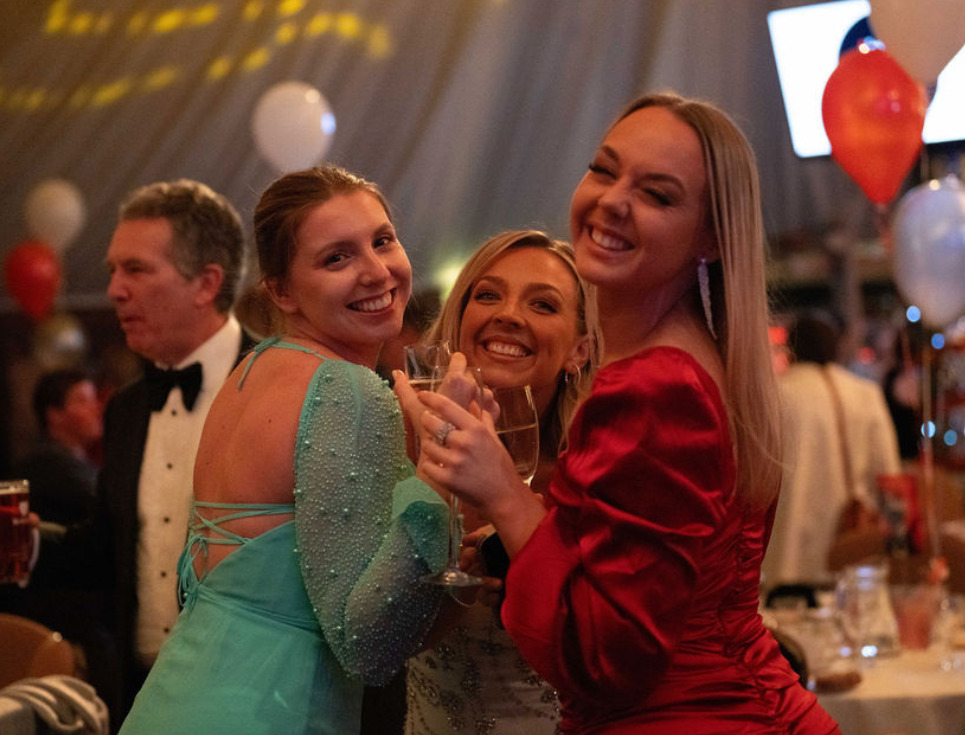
pixel 310 529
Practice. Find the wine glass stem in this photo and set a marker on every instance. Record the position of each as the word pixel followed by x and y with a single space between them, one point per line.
pixel 455 531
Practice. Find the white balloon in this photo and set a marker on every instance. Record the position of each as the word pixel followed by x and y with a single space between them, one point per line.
pixel 921 35
pixel 293 126
pixel 55 213
pixel 929 237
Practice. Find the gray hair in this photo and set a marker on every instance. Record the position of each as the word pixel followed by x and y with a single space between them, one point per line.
pixel 207 230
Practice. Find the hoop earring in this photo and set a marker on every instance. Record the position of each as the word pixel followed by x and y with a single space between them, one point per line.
pixel 567 375
pixel 703 281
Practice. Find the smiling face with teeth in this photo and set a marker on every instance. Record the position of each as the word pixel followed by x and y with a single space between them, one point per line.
pixel 349 279
pixel 639 216
pixel 520 323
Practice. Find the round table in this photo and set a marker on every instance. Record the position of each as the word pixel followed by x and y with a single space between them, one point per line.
pixel 912 693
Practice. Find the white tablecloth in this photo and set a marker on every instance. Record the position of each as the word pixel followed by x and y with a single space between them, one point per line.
pixel 906 695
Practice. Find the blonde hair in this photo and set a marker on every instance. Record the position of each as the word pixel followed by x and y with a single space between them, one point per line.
pixel 572 389
pixel 739 291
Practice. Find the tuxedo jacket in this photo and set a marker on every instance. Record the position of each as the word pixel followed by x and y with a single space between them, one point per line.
pixel 126 420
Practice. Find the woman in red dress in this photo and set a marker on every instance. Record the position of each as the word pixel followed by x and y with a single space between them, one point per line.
pixel 634 591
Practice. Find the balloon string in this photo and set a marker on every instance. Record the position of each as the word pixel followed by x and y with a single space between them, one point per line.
pixel 905 350
pixel 928 456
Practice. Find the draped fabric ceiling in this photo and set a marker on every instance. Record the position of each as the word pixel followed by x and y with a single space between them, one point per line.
pixel 473 115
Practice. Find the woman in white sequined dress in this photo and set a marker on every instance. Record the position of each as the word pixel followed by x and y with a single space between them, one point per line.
pixel 520 312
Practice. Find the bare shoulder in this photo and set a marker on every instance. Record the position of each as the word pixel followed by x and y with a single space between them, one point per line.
pixel 247 445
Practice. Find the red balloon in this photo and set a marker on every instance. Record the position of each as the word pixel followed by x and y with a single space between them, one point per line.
pixel 33 276
pixel 874 114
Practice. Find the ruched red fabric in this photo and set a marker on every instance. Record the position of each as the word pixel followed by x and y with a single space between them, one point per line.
pixel 637 595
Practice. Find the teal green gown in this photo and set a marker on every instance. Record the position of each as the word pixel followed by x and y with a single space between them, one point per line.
pixel 283 633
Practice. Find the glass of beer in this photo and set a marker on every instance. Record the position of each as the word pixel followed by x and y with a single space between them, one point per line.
pixel 15 535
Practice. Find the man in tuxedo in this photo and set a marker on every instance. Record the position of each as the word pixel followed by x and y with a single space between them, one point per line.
pixel 175 261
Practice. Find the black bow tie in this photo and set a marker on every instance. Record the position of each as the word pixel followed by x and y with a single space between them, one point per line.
pixel 160 382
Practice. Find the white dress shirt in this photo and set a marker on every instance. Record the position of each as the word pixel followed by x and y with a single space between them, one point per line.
pixel 165 489
pixel 814 490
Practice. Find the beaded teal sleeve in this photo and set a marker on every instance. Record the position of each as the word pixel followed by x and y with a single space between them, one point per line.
pixel 367 528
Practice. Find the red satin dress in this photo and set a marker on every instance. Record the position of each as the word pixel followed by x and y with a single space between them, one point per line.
pixel 637 596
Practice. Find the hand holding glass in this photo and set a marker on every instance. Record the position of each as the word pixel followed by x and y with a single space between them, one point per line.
pixel 422 359
pixel 452 575
pixel 15 533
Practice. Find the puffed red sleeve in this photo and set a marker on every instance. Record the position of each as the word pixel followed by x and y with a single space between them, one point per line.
pixel 598 597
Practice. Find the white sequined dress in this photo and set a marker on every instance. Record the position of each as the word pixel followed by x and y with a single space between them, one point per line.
pixel 474 682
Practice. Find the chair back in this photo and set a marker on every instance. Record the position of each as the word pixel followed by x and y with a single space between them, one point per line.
pixel 29 649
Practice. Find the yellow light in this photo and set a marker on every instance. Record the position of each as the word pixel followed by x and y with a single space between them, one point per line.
pixel 64 17
pixel 252 10
pixel 160 78
pixel 319 24
pixel 219 68
pixel 35 99
pixel 205 15
pixel 169 21
pixel 286 33
pixel 256 59
pixel 81 24
pixel 445 276
pixel 380 44
pixel 111 92
pixel 348 25
pixel 57 16
pixel 290 7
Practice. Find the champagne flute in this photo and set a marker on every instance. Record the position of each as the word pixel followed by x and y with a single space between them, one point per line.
pixel 517 427
pixel 421 361
pixel 452 575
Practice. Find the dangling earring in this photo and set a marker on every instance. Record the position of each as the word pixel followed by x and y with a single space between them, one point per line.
pixel 703 281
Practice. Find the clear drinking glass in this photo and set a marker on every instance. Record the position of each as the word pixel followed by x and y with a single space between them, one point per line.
pixel 452 575
pixel 422 359
pixel 518 427
pixel 948 630
pixel 867 616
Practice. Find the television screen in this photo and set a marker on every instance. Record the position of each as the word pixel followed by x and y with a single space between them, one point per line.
pixel 807 43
